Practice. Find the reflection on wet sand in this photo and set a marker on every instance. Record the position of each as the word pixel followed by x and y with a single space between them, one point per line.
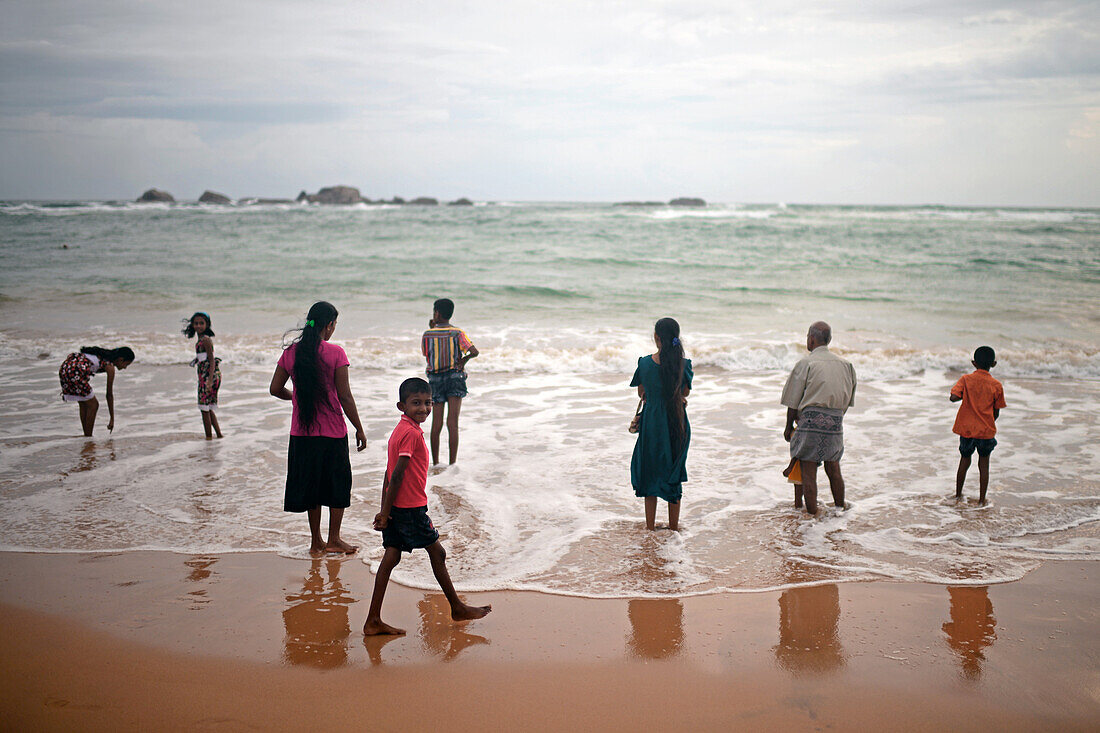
pixel 971 629
pixel 199 572
pixel 656 627
pixel 441 635
pixel 316 619
pixel 89 456
pixel 808 625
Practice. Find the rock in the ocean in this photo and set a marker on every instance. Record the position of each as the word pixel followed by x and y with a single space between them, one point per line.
pixel 397 200
pixel 461 202
pixel 687 202
pixel 332 195
pixel 213 197
pixel 425 201
pixel 155 194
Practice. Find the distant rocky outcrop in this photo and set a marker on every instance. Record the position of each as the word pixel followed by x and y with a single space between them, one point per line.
pixel 425 201
pixel 640 203
pixel 461 202
pixel 687 202
pixel 396 200
pixel 213 197
pixel 155 195
pixel 333 195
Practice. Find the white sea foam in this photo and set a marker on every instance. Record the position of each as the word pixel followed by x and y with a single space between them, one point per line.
pixel 709 213
pixel 573 351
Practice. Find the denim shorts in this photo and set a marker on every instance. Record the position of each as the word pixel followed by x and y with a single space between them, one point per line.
pixel 409 529
pixel 447 384
pixel 984 446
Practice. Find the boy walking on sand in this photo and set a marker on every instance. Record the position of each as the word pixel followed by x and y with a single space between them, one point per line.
pixel 404 518
pixel 447 350
pixel 982 398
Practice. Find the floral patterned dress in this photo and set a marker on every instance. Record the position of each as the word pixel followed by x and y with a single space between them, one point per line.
pixel 208 385
pixel 75 375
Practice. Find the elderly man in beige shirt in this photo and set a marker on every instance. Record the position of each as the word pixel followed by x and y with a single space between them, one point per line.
pixel 821 388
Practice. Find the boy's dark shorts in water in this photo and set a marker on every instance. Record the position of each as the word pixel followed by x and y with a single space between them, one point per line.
pixel 447 384
pixel 409 529
pixel 984 446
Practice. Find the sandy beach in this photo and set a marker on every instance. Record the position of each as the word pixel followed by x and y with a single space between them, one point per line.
pixel 162 641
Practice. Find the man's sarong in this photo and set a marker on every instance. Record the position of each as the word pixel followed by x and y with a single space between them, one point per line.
pixel 819 435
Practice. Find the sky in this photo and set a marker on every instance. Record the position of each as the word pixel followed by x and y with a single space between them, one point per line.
pixel 961 102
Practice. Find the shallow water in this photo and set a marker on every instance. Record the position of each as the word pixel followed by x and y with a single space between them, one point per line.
pixel 560 299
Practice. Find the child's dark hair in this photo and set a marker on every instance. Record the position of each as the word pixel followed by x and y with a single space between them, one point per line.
pixel 411 386
pixel 984 357
pixel 308 387
pixel 445 307
pixel 189 329
pixel 672 378
pixel 122 353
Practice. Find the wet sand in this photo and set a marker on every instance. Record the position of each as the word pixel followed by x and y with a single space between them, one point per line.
pixel 162 641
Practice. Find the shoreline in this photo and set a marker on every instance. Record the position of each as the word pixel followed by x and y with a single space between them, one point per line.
pixel 257 640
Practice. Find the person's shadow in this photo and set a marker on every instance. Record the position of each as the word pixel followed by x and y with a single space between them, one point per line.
pixel 656 627
pixel 439 633
pixel 316 619
pixel 808 624
pixel 971 629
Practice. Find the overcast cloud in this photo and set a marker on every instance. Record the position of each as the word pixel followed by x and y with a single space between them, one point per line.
pixel 966 102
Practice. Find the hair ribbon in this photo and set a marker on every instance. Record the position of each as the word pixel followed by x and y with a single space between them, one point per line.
pixel 310 323
pixel 675 340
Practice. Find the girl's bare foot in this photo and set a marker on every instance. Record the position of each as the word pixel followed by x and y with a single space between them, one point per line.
pixel 375 627
pixel 467 613
pixel 340 546
pixel 317 548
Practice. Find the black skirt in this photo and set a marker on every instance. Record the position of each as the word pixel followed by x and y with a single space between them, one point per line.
pixel 318 473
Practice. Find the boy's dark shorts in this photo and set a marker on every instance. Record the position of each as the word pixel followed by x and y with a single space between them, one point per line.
pixel 409 529
pixel 447 384
pixel 984 446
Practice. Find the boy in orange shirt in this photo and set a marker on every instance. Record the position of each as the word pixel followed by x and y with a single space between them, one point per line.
pixel 982 398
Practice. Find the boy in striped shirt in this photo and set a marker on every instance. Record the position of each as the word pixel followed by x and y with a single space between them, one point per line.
pixel 447 349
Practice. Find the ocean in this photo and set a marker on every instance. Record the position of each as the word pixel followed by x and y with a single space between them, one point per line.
pixel 561 298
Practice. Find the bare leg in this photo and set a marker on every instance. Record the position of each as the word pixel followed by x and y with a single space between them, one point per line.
pixel 809 485
pixel 983 478
pixel 459 610
pixel 651 512
pixel 437 428
pixel 316 544
pixel 214 423
pixel 374 625
pixel 206 424
pixel 454 404
pixel 674 516
pixel 836 482
pixel 335 544
pixel 960 477
pixel 88 410
pixel 798 496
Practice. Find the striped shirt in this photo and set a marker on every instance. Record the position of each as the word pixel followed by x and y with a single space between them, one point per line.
pixel 443 346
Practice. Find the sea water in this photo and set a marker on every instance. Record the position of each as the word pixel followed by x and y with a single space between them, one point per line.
pixel 561 300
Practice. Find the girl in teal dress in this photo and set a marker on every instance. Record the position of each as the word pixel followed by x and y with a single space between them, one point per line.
pixel 663 380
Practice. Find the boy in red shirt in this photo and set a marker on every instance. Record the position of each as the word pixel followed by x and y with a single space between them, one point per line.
pixel 982 398
pixel 404 520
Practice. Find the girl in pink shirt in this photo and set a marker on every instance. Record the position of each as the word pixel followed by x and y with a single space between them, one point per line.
pixel 318 469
